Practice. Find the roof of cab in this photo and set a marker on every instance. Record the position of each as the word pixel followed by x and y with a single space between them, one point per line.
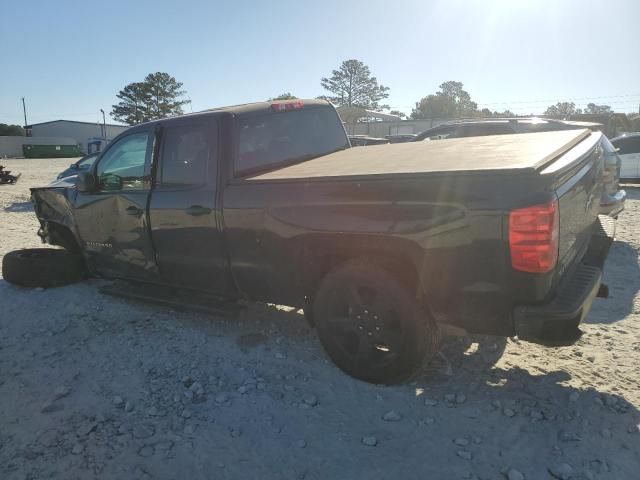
pixel 244 109
pixel 265 106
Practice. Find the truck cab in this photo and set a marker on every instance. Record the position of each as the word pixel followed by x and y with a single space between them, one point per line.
pixel 151 207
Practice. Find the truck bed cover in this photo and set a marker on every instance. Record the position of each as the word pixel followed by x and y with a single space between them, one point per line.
pixel 489 153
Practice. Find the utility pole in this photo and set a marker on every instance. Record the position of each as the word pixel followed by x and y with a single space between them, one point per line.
pixel 104 125
pixel 24 110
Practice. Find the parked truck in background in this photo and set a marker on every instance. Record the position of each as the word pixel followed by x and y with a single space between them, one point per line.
pixel 380 245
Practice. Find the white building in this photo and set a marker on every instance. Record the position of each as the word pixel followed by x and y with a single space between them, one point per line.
pixel 89 136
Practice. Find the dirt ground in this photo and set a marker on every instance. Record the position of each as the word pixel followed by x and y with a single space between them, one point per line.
pixel 96 387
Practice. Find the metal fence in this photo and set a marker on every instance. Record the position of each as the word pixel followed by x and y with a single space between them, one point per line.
pixel 612 125
pixel 380 129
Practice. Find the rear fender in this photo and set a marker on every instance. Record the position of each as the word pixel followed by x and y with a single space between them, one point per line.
pixel 320 253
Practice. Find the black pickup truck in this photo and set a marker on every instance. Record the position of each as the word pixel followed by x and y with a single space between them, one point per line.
pixel 381 246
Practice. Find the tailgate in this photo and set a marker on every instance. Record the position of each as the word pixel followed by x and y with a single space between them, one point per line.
pixel 577 181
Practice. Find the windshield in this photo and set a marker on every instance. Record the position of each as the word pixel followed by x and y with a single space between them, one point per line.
pixel 273 139
pixel 88 160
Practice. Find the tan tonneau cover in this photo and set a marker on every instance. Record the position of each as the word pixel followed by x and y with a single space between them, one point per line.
pixel 496 152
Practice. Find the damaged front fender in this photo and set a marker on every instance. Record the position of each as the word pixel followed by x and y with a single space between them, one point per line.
pixel 53 206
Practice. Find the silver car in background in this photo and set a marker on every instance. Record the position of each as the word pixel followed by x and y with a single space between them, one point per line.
pixel 612 200
pixel 628 148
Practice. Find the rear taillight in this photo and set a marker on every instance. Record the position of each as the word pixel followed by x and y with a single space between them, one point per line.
pixel 284 106
pixel 610 173
pixel 533 237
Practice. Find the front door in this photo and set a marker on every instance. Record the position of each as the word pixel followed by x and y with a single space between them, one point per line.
pixel 112 222
pixel 184 214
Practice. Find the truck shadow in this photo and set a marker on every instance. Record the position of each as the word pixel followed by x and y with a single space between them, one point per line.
pixel 527 408
pixel 481 351
pixel 622 275
pixel 470 353
pixel 524 416
pixel 19 207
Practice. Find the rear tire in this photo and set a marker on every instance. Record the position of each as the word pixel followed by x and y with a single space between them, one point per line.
pixel 371 326
pixel 42 267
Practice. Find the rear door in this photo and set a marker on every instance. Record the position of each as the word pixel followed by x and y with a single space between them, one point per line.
pixel 112 222
pixel 629 151
pixel 263 247
pixel 184 213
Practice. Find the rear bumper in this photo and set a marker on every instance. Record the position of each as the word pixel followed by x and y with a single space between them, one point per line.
pixel 612 205
pixel 556 323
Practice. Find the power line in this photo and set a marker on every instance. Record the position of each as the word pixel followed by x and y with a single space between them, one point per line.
pixel 637 95
pixel 519 105
pixel 555 100
pixel 531 108
pixel 48 116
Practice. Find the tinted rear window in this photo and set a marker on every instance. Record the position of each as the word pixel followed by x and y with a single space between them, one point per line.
pixel 185 154
pixel 269 140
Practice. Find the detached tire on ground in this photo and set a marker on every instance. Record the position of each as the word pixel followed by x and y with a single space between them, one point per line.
pixel 371 326
pixel 42 267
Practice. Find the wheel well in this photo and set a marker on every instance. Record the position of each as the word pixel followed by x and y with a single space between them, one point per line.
pixel 62 236
pixel 401 267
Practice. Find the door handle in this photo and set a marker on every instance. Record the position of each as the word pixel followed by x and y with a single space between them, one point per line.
pixel 134 211
pixel 197 210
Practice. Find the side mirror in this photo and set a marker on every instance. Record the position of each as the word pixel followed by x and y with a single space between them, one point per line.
pixel 73 166
pixel 110 182
pixel 86 182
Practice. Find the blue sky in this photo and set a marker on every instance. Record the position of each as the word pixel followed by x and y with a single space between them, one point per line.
pixel 70 58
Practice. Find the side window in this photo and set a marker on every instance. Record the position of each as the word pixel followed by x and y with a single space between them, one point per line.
pixel 122 166
pixel 185 155
pixel 628 145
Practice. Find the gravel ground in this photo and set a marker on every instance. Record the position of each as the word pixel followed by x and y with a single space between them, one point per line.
pixel 96 387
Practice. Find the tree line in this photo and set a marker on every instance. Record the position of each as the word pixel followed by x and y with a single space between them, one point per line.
pixel 352 84
pixel 11 130
pixel 159 95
